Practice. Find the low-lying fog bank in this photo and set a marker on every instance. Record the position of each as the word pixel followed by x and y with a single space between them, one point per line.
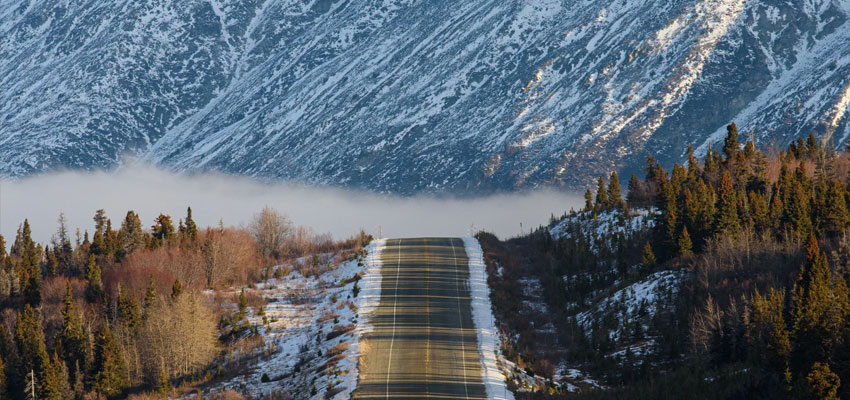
pixel 235 200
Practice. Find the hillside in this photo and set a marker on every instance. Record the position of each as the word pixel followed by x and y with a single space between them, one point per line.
pixel 408 96
pixel 724 279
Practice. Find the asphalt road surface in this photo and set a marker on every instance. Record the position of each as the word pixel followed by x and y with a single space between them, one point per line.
pixel 423 344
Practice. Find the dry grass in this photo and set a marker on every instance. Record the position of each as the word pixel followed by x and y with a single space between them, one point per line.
pixel 338 349
pixel 339 330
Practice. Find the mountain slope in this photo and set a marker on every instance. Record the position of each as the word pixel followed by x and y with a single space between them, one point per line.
pixel 427 95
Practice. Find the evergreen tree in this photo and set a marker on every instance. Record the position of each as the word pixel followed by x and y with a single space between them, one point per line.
pixel 48 381
pixel 129 313
pixel 72 341
pixel 711 168
pixel 110 372
pixel 588 200
pixel 797 211
pixel 29 336
pixel 685 245
pixel 648 260
pixel 812 301
pixel 63 242
pixel 191 229
pixel 699 213
pixel 177 289
pixel 759 212
pixel 94 288
pixel 835 216
pixel 130 236
pixel 243 302
pixel 150 294
pixel 632 196
pixel 727 218
pixel 730 144
pixel 669 221
pixel 601 194
pixel 29 268
pixel 812 147
pixel 615 195
pixel 693 165
pixel 98 246
pixel 59 379
pixel 100 221
pixel 110 241
pixel 163 230
pixel 649 172
pixel 822 382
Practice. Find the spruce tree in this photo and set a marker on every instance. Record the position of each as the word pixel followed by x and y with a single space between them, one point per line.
pixel 163 230
pixel 177 289
pixel 812 300
pixel 601 194
pixel 797 211
pixel 29 337
pixel 727 218
pixel 648 260
pixel 812 147
pixel 72 341
pixel 822 383
pixel 730 144
pixel 60 379
pixel 150 294
pixel 49 385
pixel 693 165
pixel 129 313
pixel 649 171
pixel 615 195
pixel 588 200
pixel 130 236
pixel 98 246
pixel 835 216
pixel 632 196
pixel 94 288
pixel 711 168
pixel 685 244
pixel 110 372
pixel 191 229
pixel 100 221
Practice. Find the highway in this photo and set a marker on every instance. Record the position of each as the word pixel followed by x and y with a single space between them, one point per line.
pixel 423 344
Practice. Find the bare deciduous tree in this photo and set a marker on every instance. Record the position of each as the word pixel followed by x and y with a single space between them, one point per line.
pixel 270 229
pixel 179 339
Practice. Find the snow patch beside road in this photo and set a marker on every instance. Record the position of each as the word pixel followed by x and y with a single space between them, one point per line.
pixel 482 316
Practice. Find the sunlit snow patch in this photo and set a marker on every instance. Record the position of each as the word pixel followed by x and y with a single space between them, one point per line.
pixel 485 328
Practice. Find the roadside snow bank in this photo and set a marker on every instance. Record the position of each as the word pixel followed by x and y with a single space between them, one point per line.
pixel 482 316
pixel 367 303
pixel 370 284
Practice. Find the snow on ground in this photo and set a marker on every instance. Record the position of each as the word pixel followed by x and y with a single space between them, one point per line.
pixel 605 223
pixel 492 365
pixel 633 301
pixel 311 328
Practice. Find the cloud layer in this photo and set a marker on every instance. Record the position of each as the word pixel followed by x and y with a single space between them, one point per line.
pixel 234 200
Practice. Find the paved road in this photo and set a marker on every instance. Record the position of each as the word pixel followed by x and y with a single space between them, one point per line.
pixel 423 344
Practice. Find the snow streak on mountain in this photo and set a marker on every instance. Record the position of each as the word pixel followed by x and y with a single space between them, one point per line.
pixel 425 95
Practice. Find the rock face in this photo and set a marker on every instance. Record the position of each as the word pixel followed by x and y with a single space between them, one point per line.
pixel 408 96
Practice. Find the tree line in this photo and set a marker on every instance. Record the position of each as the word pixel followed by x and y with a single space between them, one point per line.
pixel 762 239
pixel 122 309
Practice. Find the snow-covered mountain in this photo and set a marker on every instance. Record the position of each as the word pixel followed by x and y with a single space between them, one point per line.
pixel 412 95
